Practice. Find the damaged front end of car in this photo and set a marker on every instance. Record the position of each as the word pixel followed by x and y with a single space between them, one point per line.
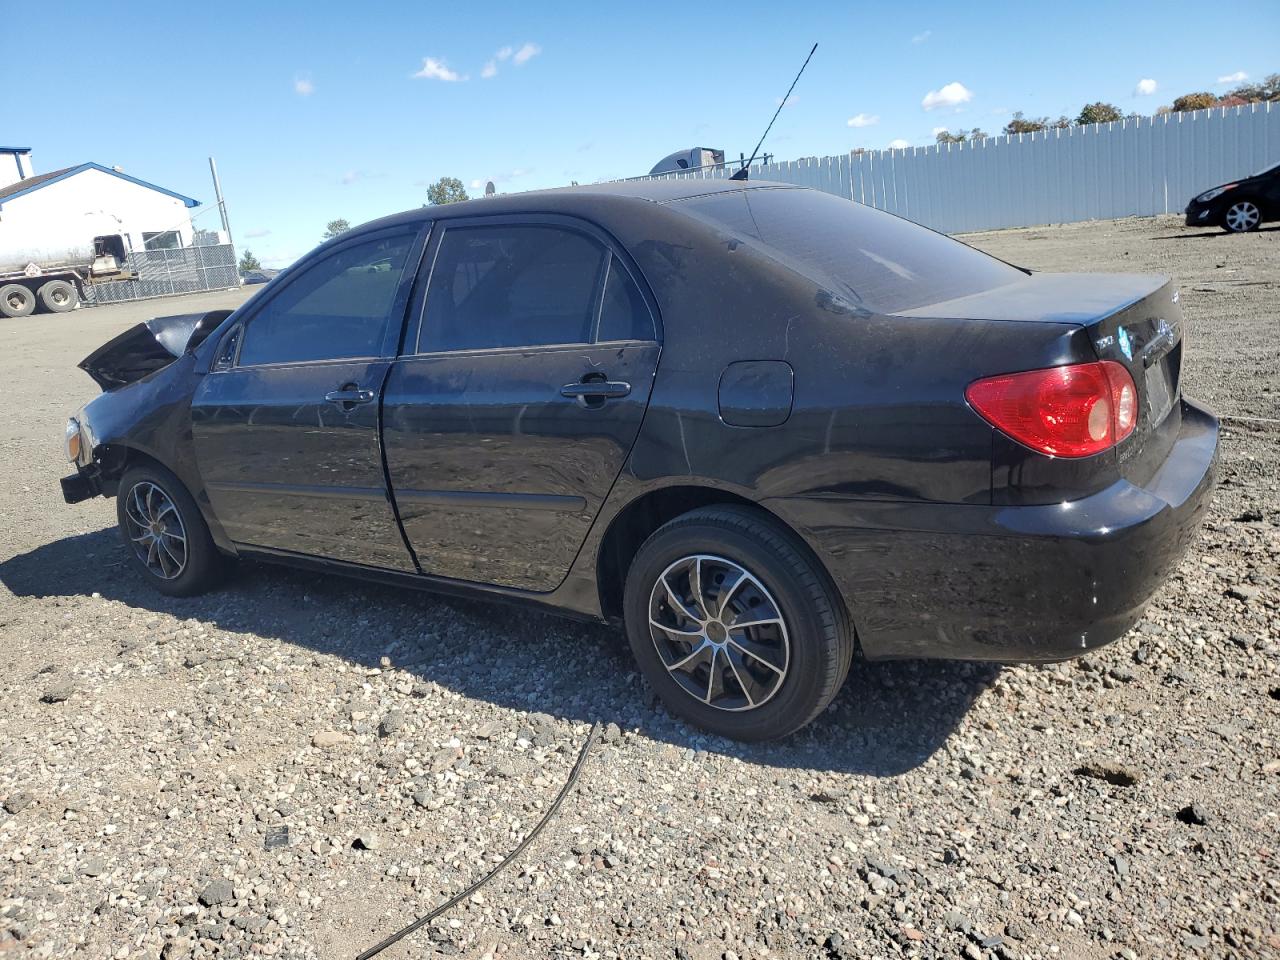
pixel 134 400
pixel 147 347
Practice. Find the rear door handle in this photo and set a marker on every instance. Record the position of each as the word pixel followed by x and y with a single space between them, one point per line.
pixel 349 396
pixel 596 390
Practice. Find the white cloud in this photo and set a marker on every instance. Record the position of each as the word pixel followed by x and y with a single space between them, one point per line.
pixel 1238 77
pixel 255 234
pixel 433 69
pixel 791 102
pixel 952 95
pixel 525 54
pixel 350 177
pixel 303 87
pixel 504 53
pixel 863 120
pixel 938 130
pixel 922 36
pixel 1145 88
pixel 899 144
pixel 490 70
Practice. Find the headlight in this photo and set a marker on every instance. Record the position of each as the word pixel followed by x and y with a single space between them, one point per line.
pixel 1215 192
pixel 72 439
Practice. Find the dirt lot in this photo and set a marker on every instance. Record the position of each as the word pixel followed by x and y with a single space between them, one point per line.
pixel 1124 805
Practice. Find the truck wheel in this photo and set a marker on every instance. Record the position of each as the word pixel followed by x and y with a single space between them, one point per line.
pixel 58 296
pixel 16 300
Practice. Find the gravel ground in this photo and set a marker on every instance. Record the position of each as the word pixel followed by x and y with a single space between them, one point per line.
pixel 295 767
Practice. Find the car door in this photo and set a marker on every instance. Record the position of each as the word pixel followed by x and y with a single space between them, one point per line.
pixel 518 396
pixel 285 425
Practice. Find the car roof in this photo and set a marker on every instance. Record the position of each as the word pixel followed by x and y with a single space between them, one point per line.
pixel 576 199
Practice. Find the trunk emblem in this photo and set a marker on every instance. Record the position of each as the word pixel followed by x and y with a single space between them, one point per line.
pixel 1126 344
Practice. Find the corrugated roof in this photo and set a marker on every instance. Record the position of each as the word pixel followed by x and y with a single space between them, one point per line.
pixel 30 183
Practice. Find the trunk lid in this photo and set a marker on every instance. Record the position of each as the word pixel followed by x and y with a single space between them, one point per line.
pixel 1133 319
pixel 147 347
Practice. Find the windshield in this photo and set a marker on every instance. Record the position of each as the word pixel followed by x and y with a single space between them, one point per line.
pixel 878 261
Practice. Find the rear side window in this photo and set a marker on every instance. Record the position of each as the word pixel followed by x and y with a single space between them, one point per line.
pixel 335 309
pixel 878 261
pixel 511 286
pixel 623 313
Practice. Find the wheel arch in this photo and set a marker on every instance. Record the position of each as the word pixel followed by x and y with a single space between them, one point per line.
pixel 635 522
pixel 115 459
pixel 1266 211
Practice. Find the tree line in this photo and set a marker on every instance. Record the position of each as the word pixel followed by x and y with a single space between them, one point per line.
pixel 1101 112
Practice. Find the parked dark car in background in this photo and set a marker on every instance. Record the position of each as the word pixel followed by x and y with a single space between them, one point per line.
pixel 1240 206
pixel 759 425
pixel 257 276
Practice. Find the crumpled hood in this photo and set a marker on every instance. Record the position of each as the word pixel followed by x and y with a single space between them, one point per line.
pixel 146 347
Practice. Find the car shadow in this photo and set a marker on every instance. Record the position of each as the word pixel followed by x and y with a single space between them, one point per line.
pixel 888 719
pixel 1215 232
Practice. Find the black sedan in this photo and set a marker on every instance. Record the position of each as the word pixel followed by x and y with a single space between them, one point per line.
pixel 762 427
pixel 1240 206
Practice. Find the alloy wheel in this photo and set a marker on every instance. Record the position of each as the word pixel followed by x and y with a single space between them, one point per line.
pixel 1242 216
pixel 155 530
pixel 719 632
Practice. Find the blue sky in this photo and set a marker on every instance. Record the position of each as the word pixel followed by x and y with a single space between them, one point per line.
pixel 323 110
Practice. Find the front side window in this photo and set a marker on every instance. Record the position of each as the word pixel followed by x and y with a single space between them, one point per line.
pixel 334 309
pixel 511 286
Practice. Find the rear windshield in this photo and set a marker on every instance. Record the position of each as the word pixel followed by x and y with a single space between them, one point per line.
pixel 878 261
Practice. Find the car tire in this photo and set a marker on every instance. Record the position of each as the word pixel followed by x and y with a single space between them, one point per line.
pixel 165 534
pixel 763 680
pixel 58 296
pixel 1241 217
pixel 16 301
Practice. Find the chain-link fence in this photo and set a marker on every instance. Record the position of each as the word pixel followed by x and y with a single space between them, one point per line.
pixel 162 273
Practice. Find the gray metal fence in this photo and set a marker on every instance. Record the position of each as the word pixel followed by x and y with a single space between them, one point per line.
pixel 165 272
pixel 1135 167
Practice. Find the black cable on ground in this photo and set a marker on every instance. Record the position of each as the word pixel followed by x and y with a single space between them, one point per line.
pixel 513 855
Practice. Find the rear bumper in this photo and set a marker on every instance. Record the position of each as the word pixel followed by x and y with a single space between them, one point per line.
pixel 1014 583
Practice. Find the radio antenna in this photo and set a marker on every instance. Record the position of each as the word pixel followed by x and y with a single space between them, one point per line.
pixel 742 174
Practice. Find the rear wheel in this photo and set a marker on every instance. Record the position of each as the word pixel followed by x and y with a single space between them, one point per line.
pixel 734 625
pixel 165 533
pixel 16 300
pixel 1241 217
pixel 58 296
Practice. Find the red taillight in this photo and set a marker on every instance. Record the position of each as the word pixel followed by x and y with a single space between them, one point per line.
pixel 1073 411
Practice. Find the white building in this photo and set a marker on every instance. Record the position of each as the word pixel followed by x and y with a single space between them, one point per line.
pixel 53 217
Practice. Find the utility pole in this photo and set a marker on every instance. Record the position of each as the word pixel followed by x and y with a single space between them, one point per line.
pixel 222 204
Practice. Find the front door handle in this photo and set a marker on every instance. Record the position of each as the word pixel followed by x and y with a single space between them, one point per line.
pixel 349 396
pixel 596 390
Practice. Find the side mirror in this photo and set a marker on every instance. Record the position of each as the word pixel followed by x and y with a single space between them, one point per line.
pixel 205 326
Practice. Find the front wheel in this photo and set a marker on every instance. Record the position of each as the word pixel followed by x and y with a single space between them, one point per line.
pixel 165 533
pixel 1241 217
pixel 734 625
